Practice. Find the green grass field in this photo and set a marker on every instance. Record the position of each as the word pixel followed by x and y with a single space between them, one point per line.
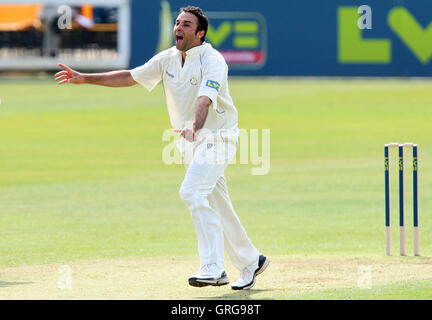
pixel 82 183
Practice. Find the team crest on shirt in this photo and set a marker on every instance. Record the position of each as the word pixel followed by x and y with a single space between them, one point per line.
pixel 193 81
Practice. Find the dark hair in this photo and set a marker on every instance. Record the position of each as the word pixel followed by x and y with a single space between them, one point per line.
pixel 202 18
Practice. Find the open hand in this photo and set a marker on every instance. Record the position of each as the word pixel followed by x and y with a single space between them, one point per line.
pixel 68 75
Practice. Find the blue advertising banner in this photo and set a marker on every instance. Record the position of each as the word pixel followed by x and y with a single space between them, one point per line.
pixel 300 38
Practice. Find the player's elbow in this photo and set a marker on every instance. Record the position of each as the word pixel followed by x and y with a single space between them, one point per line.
pixel 129 80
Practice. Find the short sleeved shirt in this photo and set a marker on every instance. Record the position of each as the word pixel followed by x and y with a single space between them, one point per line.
pixel 204 73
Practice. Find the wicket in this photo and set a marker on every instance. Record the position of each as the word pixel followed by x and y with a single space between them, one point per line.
pixel 401 198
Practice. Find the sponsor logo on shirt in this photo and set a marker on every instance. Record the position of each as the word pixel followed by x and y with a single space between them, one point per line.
pixel 213 84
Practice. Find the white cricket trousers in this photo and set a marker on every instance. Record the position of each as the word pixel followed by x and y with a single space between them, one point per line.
pixel 205 192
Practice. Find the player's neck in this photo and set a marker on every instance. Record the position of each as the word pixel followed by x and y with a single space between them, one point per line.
pixel 183 53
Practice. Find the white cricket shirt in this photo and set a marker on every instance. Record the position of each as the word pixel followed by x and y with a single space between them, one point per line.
pixel 204 73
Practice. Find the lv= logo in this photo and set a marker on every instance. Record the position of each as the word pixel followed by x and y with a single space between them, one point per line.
pixel 353 48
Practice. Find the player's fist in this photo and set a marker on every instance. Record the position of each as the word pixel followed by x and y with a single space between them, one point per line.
pixel 186 133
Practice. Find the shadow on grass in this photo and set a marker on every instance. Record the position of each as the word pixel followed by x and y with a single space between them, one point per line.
pixel 4 284
pixel 239 295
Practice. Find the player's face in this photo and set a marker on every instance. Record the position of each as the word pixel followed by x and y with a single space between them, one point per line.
pixel 185 32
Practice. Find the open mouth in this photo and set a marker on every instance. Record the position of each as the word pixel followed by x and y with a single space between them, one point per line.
pixel 179 39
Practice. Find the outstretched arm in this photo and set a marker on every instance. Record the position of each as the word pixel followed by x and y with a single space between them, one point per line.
pixel 121 78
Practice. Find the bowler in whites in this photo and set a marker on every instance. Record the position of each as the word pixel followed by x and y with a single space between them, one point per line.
pixel 201 110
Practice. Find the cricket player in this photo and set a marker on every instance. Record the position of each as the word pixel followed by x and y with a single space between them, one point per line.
pixel 194 76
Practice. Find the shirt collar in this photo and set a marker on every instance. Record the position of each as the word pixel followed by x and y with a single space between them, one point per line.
pixel 196 50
